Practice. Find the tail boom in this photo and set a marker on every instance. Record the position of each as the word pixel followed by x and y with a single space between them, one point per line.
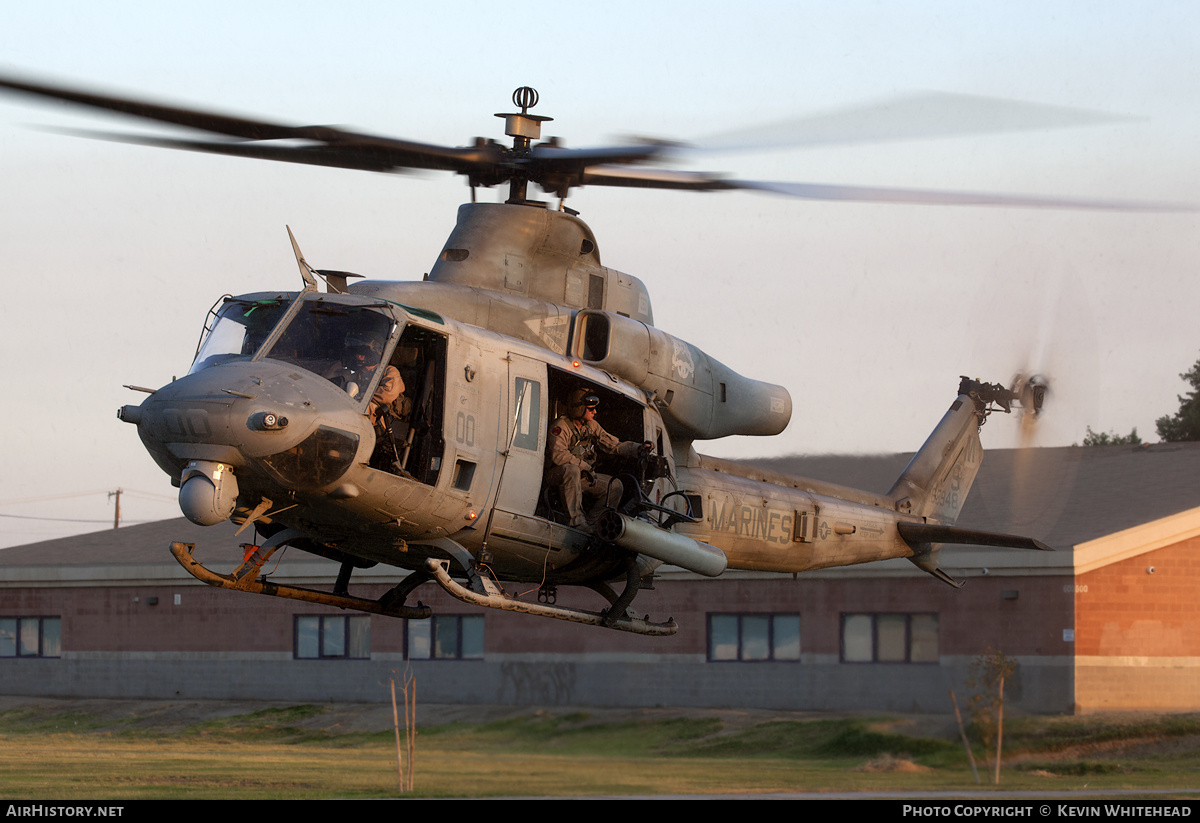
pixel 764 521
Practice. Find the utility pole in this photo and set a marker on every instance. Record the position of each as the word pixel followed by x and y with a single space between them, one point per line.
pixel 117 510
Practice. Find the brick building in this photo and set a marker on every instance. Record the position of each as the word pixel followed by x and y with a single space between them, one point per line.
pixel 1109 621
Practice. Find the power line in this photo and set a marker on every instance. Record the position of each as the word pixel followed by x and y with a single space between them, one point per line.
pixel 70 519
pixel 44 498
pixel 116 521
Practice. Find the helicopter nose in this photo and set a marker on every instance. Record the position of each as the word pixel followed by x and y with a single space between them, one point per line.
pixel 249 408
pixel 209 426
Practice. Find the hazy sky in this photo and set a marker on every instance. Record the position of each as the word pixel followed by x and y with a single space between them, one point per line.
pixel 868 314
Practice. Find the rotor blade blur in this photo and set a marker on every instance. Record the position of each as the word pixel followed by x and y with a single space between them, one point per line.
pixel 933 197
pixel 918 116
pixel 558 169
pixel 346 156
pixel 704 181
pixel 190 118
pixel 401 152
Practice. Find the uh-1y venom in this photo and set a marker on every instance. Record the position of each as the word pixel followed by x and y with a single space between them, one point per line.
pixel 278 423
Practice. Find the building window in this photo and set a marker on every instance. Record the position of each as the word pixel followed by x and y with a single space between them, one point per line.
pixel 754 637
pixel 889 638
pixel 446 637
pixel 332 637
pixel 30 636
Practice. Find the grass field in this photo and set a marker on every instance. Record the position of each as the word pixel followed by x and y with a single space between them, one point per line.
pixel 59 750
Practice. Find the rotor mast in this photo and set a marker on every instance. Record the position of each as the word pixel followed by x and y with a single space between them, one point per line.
pixel 523 128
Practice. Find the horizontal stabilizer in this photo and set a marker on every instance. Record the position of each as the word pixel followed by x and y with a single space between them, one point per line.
pixel 934 533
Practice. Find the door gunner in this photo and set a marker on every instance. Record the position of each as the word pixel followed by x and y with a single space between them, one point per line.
pixel 574 439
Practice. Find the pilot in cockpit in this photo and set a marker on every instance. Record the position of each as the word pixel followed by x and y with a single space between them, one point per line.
pixel 389 412
pixel 360 359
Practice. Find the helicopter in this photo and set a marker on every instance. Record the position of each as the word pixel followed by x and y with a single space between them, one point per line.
pixel 280 423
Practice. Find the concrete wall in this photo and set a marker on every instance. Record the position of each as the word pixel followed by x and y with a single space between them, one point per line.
pixel 804 686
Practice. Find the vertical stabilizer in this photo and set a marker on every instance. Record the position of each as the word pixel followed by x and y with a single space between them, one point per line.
pixel 936 481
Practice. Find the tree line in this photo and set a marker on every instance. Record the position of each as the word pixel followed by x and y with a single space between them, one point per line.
pixel 1172 428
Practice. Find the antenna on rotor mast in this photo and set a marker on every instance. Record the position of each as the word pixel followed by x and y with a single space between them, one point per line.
pixel 523 128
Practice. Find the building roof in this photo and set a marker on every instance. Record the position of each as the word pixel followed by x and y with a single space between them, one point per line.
pixel 141 552
pixel 1105 502
pixel 140 544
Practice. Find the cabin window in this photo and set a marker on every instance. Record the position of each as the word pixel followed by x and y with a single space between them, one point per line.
pixel 754 637
pixel 464 473
pixel 529 421
pixel 890 638
pixel 30 637
pixel 332 637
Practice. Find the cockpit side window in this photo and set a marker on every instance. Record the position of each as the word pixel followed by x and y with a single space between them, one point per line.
pixel 241 328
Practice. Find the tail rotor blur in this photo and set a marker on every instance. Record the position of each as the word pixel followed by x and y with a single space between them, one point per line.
pixel 1047 334
pixel 1032 392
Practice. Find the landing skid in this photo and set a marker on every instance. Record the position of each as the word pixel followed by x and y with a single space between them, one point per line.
pixel 182 553
pixel 493 598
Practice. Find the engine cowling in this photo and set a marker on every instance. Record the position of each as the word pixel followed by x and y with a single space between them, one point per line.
pixel 699 397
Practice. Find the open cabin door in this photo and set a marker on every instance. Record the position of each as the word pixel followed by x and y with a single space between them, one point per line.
pixel 526 404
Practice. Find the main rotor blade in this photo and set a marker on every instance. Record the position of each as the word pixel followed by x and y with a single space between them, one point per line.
pixel 649 178
pixel 910 117
pixel 191 118
pixel 364 156
pixel 559 169
pixel 399 152
pixel 635 153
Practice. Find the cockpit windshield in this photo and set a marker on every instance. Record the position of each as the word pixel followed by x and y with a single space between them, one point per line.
pixel 342 343
pixel 241 327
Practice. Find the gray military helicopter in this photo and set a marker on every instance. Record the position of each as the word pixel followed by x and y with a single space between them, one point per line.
pixel 273 424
